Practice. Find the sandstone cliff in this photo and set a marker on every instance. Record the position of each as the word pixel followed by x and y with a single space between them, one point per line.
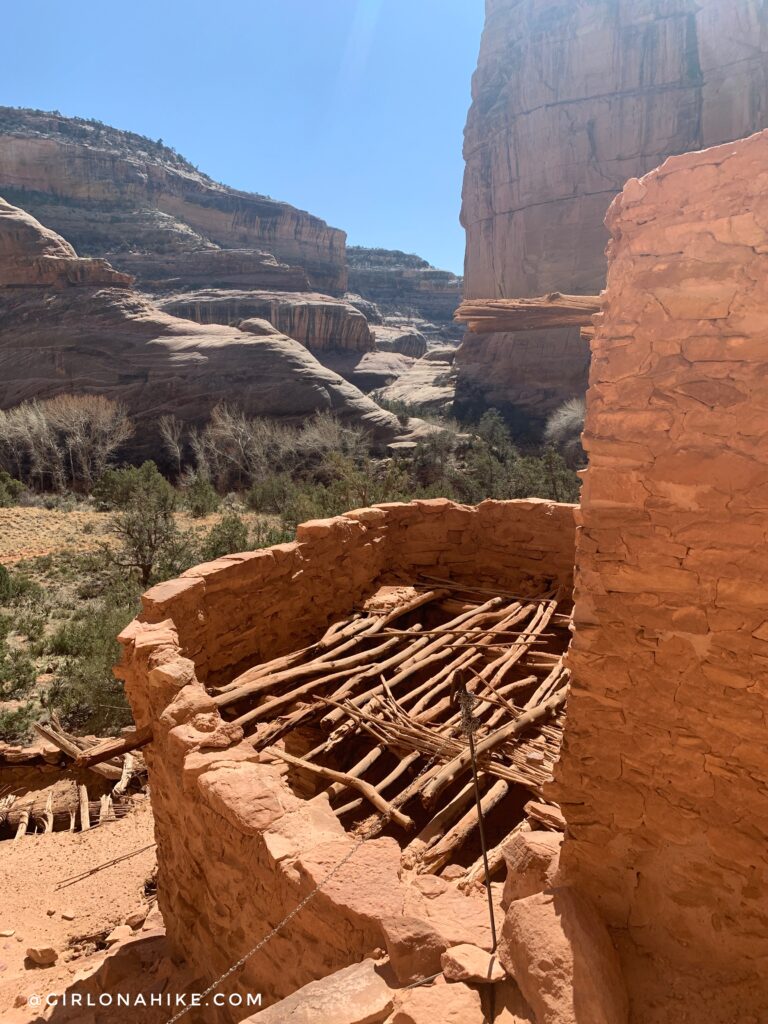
pixel 569 101
pixel 320 322
pixel 400 282
pixel 75 325
pixel 113 193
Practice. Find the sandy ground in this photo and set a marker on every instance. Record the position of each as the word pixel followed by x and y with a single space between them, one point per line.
pixel 33 900
pixel 33 532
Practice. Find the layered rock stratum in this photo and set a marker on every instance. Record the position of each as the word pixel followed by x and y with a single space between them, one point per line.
pixel 568 102
pixel 72 325
pixel 319 322
pixel 117 195
pixel 400 282
pixel 217 255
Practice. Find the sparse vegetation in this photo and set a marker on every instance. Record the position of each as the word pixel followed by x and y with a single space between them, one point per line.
pixel 64 442
pixel 60 613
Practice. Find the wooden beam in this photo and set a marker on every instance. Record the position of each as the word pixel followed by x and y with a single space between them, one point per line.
pixel 491 316
pixel 70 748
pixel 113 748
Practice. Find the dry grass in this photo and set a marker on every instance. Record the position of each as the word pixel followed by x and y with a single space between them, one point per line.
pixel 27 533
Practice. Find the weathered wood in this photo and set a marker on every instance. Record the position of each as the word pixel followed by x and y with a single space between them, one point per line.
pixel 22 826
pixel 106 812
pixel 365 788
pixel 125 779
pixel 434 857
pixel 461 762
pixel 85 817
pixel 71 749
pixel 113 748
pixel 475 874
pixel 491 316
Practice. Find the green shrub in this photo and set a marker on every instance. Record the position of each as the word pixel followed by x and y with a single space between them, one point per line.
pixel 6 585
pixel 230 534
pixel 200 497
pixel 17 585
pixel 84 692
pixel 10 489
pixel 17 673
pixel 16 723
pixel 144 521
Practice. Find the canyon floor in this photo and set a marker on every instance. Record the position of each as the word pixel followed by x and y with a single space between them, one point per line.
pixel 30 532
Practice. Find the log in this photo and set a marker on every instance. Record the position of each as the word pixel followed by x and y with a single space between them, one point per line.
pixel 418 657
pixel 113 748
pixel 385 783
pixel 475 874
pixel 435 827
pixel 435 856
pixel 71 749
pixel 128 772
pixel 461 762
pixel 22 826
pixel 492 316
pixel 327 647
pixel 365 788
pixel 106 811
pixel 85 818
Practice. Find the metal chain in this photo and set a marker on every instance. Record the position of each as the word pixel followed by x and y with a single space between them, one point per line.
pixel 374 829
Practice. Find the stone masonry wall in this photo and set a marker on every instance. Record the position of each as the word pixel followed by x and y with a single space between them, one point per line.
pixel 664 774
pixel 236 848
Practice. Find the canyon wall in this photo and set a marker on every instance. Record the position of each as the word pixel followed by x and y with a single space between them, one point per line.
pixel 319 322
pixel 72 325
pixel 402 283
pixel 569 100
pixel 111 192
pixel 664 773
pixel 237 849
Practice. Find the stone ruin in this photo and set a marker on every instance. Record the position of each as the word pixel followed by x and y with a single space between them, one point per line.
pixel 656 911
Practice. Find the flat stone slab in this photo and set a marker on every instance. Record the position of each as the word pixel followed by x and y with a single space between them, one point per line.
pixel 353 995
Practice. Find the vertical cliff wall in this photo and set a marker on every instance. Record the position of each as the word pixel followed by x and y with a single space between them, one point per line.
pixel 664 773
pixel 569 100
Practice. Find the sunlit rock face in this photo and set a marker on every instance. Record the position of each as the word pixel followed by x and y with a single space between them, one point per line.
pixel 568 102
pixel 121 196
pixel 72 324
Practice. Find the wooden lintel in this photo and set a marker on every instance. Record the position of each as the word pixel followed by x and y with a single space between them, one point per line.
pixel 113 748
pixel 491 316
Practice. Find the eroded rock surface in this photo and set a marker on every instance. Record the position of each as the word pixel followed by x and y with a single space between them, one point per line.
pixel 559 951
pixel 569 101
pixel 400 282
pixel 112 192
pixel 320 322
pixel 74 324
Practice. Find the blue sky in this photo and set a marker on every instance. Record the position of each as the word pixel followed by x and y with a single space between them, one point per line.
pixel 352 109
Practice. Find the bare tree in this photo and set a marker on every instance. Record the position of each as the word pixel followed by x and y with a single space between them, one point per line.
pixel 67 440
pixel 172 434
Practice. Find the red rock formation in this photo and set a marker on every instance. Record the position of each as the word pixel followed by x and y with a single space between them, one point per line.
pixel 75 325
pixel 160 272
pixel 404 339
pixel 319 322
pixel 33 256
pixel 570 100
pixel 112 192
pixel 664 771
